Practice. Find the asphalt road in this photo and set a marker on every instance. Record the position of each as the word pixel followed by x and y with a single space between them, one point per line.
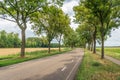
pixel 58 67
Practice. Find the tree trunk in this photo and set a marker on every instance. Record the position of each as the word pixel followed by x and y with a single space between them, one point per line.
pixel 84 46
pixel 102 37
pixel 59 47
pixel 88 46
pixel 49 47
pixel 102 48
pixel 23 44
pixel 94 41
pixel 72 46
pixel 92 46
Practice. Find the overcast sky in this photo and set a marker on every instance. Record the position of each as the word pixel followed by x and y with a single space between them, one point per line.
pixel 8 26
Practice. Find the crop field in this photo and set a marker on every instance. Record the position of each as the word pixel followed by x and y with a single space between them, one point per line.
pixel 113 52
pixel 8 51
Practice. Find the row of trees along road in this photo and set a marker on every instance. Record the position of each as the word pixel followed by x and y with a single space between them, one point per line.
pixel 54 23
pixel 96 19
pixel 9 40
pixel 44 14
pixel 71 39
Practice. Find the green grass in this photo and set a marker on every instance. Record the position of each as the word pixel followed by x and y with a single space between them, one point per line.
pixel 113 52
pixel 13 59
pixel 94 68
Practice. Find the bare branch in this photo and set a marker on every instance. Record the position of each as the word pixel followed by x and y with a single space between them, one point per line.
pixel 8 19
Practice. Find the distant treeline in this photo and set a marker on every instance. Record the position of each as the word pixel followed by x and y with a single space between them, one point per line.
pixel 8 40
pixel 39 42
pixel 12 40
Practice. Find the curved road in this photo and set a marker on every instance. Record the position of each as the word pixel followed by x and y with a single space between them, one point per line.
pixel 57 67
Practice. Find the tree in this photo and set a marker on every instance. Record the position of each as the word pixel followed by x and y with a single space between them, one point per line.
pixel 85 32
pixel 83 15
pixel 70 38
pixel 103 10
pixel 63 24
pixel 19 12
pixel 47 22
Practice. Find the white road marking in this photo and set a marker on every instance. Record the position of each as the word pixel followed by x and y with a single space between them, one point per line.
pixel 72 60
pixel 63 68
pixel 12 67
pixel 73 69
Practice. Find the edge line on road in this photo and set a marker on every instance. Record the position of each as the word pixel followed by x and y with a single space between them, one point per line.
pixel 73 69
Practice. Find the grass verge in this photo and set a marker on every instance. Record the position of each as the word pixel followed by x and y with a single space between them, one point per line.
pixel 13 59
pixel 94 68
pixel 113 52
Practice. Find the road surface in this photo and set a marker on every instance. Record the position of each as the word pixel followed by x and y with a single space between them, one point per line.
pixel 58 67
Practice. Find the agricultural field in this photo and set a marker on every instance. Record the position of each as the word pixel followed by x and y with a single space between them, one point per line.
pixel 113 52
pixel 8 51
pixel 94 68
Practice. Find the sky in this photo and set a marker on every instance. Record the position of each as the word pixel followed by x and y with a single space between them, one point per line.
pixel 68 5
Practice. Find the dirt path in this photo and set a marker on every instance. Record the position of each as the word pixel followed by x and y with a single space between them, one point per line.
pixel 116 61
pixel 113 60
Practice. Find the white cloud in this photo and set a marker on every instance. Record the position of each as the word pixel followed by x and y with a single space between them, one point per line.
pixel 68 9
pixel 114 40
pixel 9 26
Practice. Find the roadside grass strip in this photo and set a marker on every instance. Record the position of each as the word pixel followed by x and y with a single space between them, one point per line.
pixel 95 68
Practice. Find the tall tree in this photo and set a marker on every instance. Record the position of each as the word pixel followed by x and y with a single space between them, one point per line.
pixel 85 32
pixel 103 10
pixel 83 15
pixel 63 24
pixel 20 11
pixel 70 38
pixel 47 22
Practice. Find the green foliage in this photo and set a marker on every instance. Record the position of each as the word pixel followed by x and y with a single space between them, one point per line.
pixel 85 33
pixel 96 19
pixel 57 2
pixel 39 42
pixel 20 12
pixel 96 64
pixel 54 45
pixel 9 40
pixel 104 11
pixel 46 22
pixel 118 78
pixel 52 22
pixel 71 38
